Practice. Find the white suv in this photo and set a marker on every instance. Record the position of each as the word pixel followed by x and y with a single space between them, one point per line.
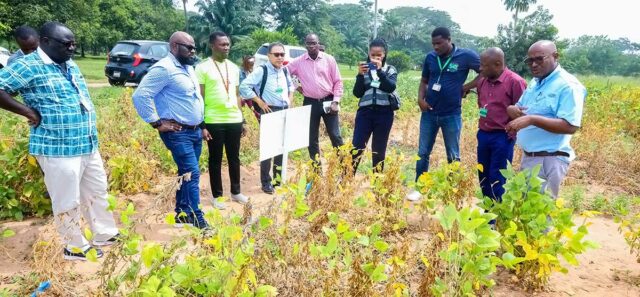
pixel 4 56
pixel 290 53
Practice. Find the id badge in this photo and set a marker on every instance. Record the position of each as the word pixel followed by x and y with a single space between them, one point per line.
pixel 483 112
pixel 436 87
pixel 375 84
pixel 279 90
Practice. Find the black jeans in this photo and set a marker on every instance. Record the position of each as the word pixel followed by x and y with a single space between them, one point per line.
pixel 227 137
pixel 376 121
pixel 265 165
pixel 330 121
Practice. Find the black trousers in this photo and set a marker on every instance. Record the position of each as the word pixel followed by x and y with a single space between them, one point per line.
pixel 227 137
pixel 265 165
pixel 330 121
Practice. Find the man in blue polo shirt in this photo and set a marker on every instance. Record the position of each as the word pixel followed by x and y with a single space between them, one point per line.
pixel 440 95
pixel 547 114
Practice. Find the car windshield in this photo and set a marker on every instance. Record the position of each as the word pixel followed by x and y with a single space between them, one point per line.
pixel 158 50
pixel 263 50
pixel 294 53
pixel 123 49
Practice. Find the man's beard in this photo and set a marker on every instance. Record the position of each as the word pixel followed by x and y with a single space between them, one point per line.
pixel 186 60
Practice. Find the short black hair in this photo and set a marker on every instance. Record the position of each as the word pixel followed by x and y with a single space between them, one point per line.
pixel 215 35
pixel 49 28
pixel 25 32
pixel 442 32
pixel 380 42
pixel 274 44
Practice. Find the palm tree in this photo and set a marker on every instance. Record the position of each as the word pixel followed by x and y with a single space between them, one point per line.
pixel 518 6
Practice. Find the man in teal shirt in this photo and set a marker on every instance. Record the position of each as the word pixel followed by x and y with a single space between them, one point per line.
pixel 547 114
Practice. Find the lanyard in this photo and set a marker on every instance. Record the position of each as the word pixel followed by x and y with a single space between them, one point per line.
pixel 225 83
pixel 443 67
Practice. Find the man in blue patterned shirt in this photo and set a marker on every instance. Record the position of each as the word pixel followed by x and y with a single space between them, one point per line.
pixel 63 138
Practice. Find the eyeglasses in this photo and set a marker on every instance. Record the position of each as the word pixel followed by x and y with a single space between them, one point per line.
pixel 538 60
pixel 311 43
pixel 281 55
pixel 188 47
pixel 66 44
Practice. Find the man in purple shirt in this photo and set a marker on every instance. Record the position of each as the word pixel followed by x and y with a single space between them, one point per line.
pixel 498 88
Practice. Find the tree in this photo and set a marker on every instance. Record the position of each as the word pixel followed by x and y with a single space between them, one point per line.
pixel 518 6
pixel 304 16
pixel 400 60
pixel 534 27
pixel 237 18
pixel 350 20
pixel 249 45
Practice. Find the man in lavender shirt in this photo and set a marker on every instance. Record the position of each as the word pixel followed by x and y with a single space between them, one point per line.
pixel 498 88
pixel 320 78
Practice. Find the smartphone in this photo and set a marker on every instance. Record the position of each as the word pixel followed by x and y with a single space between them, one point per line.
pixel 372 66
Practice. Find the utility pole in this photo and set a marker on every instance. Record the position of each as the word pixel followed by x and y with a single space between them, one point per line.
pixel 375 20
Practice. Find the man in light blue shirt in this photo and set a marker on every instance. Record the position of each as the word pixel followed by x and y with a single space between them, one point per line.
pixel 27 39
pixel 547 114
pixel 169 99
pixel 275 93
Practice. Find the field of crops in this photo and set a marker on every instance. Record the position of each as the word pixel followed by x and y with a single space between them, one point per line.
pixel 350 236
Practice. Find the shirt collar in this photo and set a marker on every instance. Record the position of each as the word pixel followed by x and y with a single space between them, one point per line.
pixel 272 68
pixel 551 75
pixel 175 60
pixel 320 56
pixel 502 76
pixel 45 58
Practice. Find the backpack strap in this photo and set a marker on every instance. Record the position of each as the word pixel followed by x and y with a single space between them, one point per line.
pixel 264 80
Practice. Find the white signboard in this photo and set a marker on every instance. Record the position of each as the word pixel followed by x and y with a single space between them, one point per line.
pixel 282 132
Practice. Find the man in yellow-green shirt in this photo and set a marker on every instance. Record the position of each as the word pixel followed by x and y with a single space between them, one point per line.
pixel 219 80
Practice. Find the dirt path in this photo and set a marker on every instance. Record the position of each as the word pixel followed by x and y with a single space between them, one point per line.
pixel 608 271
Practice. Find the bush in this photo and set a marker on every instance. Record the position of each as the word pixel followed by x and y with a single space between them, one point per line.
pixel 400 60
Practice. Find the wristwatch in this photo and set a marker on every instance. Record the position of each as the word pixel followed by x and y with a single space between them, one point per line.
pixel 156 124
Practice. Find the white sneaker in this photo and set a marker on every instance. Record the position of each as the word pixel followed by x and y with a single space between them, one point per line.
pixel 414 196
pixel 240 198
pixel 219 204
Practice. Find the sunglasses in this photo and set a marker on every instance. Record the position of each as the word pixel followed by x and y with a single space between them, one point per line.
pixel 538 60
pixel 280 55
pixel 66 44
pixel 188 47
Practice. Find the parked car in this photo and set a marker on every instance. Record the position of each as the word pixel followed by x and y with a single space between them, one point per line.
pixel 4 56
pixel 129 60
pixel 290 53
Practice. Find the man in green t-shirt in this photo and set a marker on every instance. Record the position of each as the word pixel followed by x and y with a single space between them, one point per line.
pixel 219 80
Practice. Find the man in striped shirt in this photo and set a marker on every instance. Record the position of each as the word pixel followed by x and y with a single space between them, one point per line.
pixel 63 138
pixel 320 78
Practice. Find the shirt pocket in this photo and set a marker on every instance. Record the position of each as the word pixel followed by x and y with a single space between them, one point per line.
pixel 544 104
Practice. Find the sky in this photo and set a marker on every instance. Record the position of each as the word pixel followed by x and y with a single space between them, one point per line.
pixel 573 18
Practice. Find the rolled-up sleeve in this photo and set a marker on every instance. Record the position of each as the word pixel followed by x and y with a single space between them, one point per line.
pixel 249 83
pixel 150 86
pixel 337 89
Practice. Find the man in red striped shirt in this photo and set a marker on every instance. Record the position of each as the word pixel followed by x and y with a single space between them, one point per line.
pixel 321 82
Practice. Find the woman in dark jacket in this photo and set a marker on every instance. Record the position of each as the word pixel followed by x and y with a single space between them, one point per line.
pixel 374 85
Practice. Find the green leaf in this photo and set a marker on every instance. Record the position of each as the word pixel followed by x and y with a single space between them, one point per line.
pixel 87 234
pixel 170 219
pixel 112 202
pixel 264 222
pixel 447 217
pixel 6 233
pixel 151 253
pixel 381 246
pixel 266 291
pixel 92 255
pixel 363 240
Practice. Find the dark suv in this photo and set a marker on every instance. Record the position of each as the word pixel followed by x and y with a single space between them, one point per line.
pixel 129 60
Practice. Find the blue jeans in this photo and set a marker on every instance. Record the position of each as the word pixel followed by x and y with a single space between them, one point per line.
pixel 185 147
pixel 429 126
pixel 495 149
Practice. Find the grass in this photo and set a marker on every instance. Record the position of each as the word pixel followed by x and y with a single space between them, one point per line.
pixel 92 68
